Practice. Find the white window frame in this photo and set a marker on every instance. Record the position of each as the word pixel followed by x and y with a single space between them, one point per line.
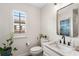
pixel 19 35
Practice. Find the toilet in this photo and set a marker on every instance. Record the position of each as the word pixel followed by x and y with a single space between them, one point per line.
pixel 36 50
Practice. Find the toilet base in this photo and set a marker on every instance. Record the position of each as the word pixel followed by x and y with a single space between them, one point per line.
pixel 39 54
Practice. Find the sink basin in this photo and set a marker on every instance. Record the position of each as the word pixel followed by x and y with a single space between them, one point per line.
pixel 65 48
pixel 62 47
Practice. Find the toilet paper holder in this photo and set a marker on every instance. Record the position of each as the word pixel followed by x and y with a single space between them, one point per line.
pixel 27 43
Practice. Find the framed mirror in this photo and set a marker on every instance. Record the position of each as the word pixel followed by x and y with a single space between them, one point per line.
pixel 68 20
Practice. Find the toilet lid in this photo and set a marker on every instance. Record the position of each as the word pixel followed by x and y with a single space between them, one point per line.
pixel 37 48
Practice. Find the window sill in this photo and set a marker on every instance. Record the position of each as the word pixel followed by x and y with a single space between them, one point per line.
pixel 19 36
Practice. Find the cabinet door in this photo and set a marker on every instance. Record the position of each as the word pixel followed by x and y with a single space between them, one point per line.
pixel 49 52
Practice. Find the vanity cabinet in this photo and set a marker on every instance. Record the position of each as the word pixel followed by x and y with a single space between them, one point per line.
pixel 52 49
pixel 48 52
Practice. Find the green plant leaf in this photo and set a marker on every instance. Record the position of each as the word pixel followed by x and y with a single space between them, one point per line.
pixel 15 49
pixel 3 43
pixel 7 40
pixel 11 43
pixel 1 50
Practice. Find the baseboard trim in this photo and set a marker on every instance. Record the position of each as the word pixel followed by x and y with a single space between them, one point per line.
pixel 24 54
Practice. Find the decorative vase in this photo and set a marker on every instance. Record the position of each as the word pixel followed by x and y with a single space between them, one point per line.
pixel 7 52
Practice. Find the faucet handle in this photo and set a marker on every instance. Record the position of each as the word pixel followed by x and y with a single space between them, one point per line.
pixel 69 43
pixel 60 41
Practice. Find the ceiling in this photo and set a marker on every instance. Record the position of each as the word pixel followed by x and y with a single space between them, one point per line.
pixel 38 5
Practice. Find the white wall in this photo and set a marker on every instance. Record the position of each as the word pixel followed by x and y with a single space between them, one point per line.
pixel 33 25
pixel 48 20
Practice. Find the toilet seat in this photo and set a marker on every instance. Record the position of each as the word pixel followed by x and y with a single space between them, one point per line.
pixel 36 50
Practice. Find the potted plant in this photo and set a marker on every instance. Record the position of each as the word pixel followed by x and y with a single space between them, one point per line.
pixel 7 49
pixel 43 36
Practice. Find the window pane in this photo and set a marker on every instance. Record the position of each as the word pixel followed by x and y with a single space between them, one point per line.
pixel 16 28
pixel 19 19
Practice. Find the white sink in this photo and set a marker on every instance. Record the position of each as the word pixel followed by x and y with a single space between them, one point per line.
pixel 62 47
pixel 65 48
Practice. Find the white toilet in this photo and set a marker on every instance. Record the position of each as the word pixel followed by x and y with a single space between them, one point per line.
pixel 36 50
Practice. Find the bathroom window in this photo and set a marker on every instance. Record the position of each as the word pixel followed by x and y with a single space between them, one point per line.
pixel 19 22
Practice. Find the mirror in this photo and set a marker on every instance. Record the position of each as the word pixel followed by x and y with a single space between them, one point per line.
pixel 68 20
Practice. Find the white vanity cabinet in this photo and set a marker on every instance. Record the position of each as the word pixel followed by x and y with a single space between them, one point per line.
pixel 49 52
pixel 52 49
